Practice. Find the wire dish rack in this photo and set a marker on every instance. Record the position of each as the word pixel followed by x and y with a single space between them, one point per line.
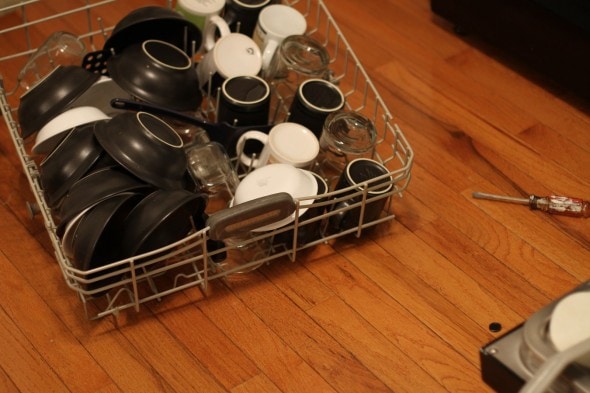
pixel 190 262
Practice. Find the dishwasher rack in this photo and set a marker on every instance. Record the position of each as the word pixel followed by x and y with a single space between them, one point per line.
pixel 191 261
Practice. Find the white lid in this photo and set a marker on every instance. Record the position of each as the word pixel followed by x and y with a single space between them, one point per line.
pixel 237 54
pixel 254 5
pixel 201 7
pixel 294 144
pixel 570 322
pixel 282 20
pixel 274 178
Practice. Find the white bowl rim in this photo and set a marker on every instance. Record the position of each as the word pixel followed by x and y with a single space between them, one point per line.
pixel 64 122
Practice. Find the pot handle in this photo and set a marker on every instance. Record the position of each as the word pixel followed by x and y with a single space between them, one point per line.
pixel 250 215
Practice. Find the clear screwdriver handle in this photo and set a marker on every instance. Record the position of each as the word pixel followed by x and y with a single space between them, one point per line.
pixel 557 204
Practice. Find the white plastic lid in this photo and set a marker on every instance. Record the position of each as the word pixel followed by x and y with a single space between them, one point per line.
pixel 282 20
pixel 201 7
pixel 294 144
pixel 237 54
pixel 570 322
pixel 274 178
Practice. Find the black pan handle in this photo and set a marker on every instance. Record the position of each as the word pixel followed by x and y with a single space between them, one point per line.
pixel 126 104
pixel 223 133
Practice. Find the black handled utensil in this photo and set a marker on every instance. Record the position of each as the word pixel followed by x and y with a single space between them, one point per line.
pixel 222 132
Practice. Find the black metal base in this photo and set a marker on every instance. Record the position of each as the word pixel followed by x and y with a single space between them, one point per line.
pixel 497 368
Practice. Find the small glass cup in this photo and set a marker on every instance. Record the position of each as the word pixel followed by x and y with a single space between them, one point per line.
pixel 297 59
pixel 60 48
pixel 298 56
pixel 346 136
pixel 244 255
pixel 211 168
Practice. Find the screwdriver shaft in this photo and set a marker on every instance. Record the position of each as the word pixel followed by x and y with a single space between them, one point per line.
pixel 501 198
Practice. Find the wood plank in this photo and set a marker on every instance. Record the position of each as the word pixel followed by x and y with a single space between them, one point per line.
pixel 423 301
pixel 356 334
pixel 417 44
pixel 121 359
pixel 258 384
pixel 385 34
pixel 436 142
pixel 498 238
pixel 393 316
pixel 490 273
pixel 334 363
pixel 6 384
pixel 410 212
pixel 404 308
pixel 283 366
pixel 551 110
pixel 24 368
pixel 168 357
pixel 566 251
pixel 297 283
pixel 116 352
pixel 555 147
pixel 230 366
pixel 524 184
pixel 448 112
pixel 54 341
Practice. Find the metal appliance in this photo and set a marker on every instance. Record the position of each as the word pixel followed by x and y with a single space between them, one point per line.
pixel 526 359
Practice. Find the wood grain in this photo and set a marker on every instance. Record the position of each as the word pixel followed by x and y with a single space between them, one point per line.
pixel 406 307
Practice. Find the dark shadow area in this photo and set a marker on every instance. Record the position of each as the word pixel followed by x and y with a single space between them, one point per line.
pixel 546 42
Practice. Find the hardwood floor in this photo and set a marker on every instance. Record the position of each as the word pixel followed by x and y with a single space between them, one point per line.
pixel 404 308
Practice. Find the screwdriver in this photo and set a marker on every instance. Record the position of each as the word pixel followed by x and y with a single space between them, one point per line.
pixel 554 204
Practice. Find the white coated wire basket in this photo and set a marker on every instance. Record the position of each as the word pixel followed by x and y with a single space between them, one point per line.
pixel 191 261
